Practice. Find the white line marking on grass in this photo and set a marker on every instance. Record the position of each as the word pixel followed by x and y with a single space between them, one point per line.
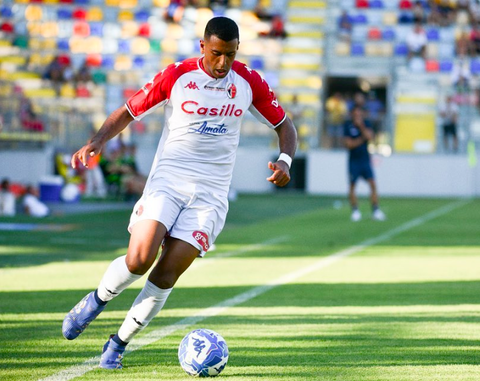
pixel 90 364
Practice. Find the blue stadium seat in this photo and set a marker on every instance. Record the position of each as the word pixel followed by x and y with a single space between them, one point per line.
pixel 405 18
pixel 124 46
pixel 357 50
pixel 138 63
pixel 64 14
pixel 388 34
pixel 360 18
pixel 433 34
pixel 376 4
pixel 401 49
pixel 63 45
pixel 475 66
pixel 6 12
pixel 256 63
pixel 96 29
pixel 142 15
pixel 108 62
pixel 446 66
pixel 82 2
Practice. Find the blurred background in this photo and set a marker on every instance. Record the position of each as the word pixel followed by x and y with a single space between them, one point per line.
pixel 413 65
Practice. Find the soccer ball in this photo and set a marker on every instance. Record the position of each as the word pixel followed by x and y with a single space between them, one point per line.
pixel 203 353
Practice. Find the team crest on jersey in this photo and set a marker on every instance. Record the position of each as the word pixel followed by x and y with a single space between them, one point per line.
pixel 139 210
pixel 231 90
pixel 202 239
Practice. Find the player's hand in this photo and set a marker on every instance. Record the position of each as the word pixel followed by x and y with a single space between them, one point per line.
pixel 281 173
pixel 82 155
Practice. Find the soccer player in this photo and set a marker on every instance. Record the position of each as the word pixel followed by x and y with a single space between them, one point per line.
pixel 184 203
pixel 356 137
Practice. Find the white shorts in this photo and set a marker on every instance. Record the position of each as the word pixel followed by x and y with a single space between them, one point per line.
pixel 190 212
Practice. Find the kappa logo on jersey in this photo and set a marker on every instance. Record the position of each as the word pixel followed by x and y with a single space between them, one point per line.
pixel 231 90
pixel 192 107
pixel 192 86
pixel 139 210
pixel 202 239
pixel 205 129
pixel 146 88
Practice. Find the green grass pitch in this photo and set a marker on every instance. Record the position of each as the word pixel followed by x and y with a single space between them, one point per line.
pixel 324 298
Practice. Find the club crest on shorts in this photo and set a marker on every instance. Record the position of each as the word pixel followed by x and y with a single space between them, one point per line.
pixel 231 90
pixel 202 239
pixel 139 210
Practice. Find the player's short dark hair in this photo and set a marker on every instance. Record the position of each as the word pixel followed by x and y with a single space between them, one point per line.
pixel 222 27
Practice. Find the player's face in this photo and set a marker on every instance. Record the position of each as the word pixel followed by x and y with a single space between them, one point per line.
pixel 218 55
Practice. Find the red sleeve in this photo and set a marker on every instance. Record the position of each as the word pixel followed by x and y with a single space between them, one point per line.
pixel 265 106
pixel 157 91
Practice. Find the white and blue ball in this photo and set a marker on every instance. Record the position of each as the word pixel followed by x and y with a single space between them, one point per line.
pixel 203 353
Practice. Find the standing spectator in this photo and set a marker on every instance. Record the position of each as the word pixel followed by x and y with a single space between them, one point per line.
pixel 357 135
pixel 449 115
pixel 475 39
pixel 337 111
pixel 7 199
pixel 32 206
pixel 419 16
pixel 345 26
pixel 417 42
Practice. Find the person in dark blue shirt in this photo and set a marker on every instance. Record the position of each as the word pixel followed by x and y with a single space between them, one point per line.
pixel 357 134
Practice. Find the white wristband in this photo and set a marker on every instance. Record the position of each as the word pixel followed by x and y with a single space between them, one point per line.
pixel 286 158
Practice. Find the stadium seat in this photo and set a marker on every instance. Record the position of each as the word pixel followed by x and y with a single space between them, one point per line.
pixel 433 34
pixel 360 18
pixel 376 4
pixel 405 4
pixel 94 60
pixel 388 34
pixel 64 14
pixel 257 63
pixel 401 49
pixel 446 66
pixel 94 14
pixel 389 18
pixel 142 15
pixel 144 30
pixel 361 4
pixel 108 62
pixel 405 18
pixel 374 34
pixel 138 63
pixel 357 50
pixel 432 66
pixel 6 12
pixel 63 45
pixel 81 29
pixel 124 46
pixel 342 49
pixel 7 27
pixel 125 15
pixel 79 14
pixel 475 66
pixel 96 29
pixel 140 46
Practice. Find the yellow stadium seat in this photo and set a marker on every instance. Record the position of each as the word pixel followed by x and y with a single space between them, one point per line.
pixel 128 3
pixel 125 15
pixel 67 91
pixel 33 13
pixel 112 3
pixel 390 18
pixel 140 46
pixel 123 63
pixel 342 49
pixel 49 29
pixel 129 29
pixel 94 14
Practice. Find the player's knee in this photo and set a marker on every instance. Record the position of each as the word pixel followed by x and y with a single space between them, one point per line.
pixel 138 265
pixel 165 280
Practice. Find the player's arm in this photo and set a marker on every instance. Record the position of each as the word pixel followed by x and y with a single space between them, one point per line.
pixel 116 122
pixel 287 141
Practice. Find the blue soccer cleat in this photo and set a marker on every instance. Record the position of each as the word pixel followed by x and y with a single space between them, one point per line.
pixel 81 316
pixel 112 355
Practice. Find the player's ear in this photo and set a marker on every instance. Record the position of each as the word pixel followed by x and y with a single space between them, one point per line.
pixel 202 46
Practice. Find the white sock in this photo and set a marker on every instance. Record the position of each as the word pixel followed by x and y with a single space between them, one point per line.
pixel 145 307
pixel 116 279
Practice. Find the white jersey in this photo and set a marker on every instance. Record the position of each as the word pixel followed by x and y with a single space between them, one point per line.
pixel 203 116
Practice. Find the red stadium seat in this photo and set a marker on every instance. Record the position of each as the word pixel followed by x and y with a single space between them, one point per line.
pixel 432 66
pixel 362 4
pixel 405 4
pixel 374 34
